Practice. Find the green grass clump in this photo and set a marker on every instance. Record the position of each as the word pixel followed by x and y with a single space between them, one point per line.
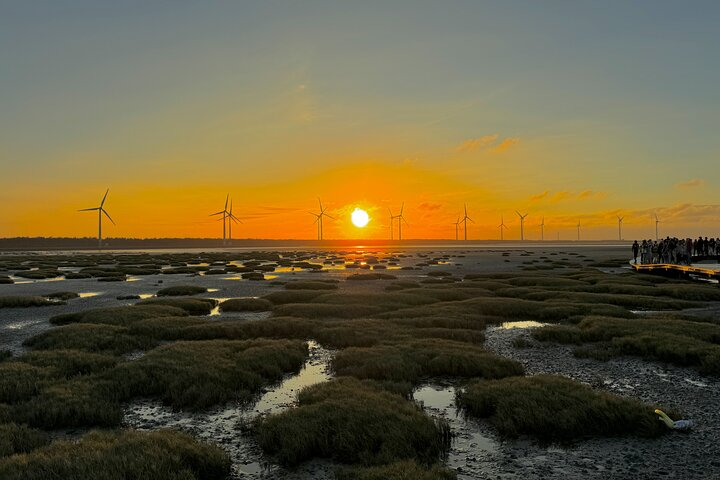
pixel 38 274
pixel 292 296
pixel 413 360
pixel 25 301
pixel 404 470
pixel 161 455
pixel 181 290
pixel 78 402
pixel 16 438
pixel 556 409
pixel 371 276
pixel 672 340
pixel 88 337
pixel 62 295
pixel 199 374
pixel 352 422
pixel 68 363
pixel 20 381
pixel 309 285
pixel 246 305
pixel 193 306
pixel 320 310
pixel 118 315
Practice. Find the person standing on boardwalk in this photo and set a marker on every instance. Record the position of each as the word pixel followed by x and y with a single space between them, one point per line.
pixel 635 249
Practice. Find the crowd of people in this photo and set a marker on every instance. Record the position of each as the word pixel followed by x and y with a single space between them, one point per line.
pixel 674 250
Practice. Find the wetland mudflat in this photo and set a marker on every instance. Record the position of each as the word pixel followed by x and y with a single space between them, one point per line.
pixel 223 358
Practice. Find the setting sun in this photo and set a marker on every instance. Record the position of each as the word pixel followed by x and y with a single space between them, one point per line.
pixel 360 218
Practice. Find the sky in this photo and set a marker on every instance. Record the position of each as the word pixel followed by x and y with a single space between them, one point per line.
pixel 571 111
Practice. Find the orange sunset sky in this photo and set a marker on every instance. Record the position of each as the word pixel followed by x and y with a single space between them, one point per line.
pixel 563 110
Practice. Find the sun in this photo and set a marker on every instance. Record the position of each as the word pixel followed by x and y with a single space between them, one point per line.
pixel 359 218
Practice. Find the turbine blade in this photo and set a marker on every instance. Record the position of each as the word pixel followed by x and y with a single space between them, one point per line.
pixel 217 213
pixel 107 215
pixel 88 209
pixel 473 221
pixel 104 197
pixel 331 218
pixel 226 201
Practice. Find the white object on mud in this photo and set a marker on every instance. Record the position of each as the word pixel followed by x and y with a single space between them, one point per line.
pixel 674 424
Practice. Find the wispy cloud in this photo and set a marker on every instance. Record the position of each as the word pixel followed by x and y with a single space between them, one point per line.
pixel 477 143
pixel 562 195
pixel 506 144
pixel 693 183
pixel 539 196
pixel 429 206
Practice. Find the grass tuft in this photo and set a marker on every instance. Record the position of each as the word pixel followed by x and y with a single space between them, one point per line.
pixel 352 422
pixel 161 455
pixel 556 409
pixel 181 290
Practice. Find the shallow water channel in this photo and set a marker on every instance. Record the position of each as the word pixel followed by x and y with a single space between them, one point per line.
pixel 225 425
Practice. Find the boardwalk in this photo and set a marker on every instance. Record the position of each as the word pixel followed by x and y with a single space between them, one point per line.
pixel 676 270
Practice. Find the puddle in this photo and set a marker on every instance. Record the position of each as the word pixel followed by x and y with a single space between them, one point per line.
pixel 525 324
pixel 223 425
pixel 89 294
pixel 133 279
pixel 216 310
pixel 25 281
pixel 144 296
pixel 473 451
pixel 211 290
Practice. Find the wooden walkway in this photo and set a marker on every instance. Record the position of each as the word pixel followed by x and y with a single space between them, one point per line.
pixel 676 270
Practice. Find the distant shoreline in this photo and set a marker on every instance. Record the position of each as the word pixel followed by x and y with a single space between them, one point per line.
pixel 114 244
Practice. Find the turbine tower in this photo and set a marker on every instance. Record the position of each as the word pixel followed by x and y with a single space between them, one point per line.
pixel 457 227
pixel 400 219
pixel 578 230
pixel 465 220
pixel 392 217
pixel 522 224
pixel 101 210
pixel 319 219
pixel 620 220
pixel 657 220
pixel 542 229
pixel 231 218
pixel 224 213
pixel 502 227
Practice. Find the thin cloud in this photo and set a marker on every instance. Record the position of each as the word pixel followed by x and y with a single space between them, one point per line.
pixel 693 183
pixel 429 206
pixel 539 196
pixel 477 143
pixel 506 144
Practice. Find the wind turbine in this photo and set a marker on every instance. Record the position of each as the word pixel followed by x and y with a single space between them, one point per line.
pixel 657 220
pixel 620 220
pixel 457 226
pixel 502 227
pixel 101 210
pixel 522 224
pixel 319 219
pixel 464 221
pixel 578 229
pixel 231 218
pixel 542 229
pixel 224 213
pixel 400 219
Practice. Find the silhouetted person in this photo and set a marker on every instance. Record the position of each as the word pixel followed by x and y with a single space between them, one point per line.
pixel 635 249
